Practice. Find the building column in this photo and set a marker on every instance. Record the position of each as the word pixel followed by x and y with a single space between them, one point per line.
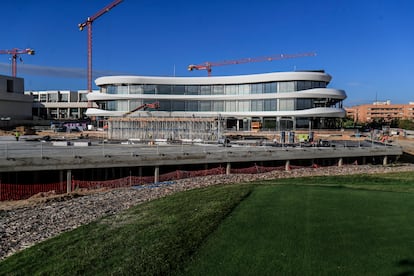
pixel 157 174
pixel 68 181
pixel 364 160
pixel 228 168
pixel 385 160
pixel 287 165
pixel 340 162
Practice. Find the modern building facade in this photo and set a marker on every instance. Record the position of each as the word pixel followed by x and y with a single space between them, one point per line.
pixel 277 101
pixel 14 105
pixel 381 111
pixel 59 104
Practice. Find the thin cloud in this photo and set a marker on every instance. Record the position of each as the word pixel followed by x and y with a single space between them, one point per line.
pixel 354 84
pixel 57 72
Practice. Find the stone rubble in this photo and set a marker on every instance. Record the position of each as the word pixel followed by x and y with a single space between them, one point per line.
pixel 24 225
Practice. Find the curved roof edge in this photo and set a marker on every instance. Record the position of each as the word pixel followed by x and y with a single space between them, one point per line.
pixel 239 79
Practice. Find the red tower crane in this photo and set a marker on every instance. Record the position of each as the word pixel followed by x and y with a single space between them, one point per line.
pixel 88 23
pixel 208 65
pixel 15 53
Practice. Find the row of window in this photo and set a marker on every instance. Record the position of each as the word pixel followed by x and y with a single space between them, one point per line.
pixel 218 106
pixel 60 97
pixel 228 89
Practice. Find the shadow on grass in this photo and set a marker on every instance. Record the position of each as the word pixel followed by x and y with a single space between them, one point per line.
pixel 407 265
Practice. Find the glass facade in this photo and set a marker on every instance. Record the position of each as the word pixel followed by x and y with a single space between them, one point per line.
pixel 228 105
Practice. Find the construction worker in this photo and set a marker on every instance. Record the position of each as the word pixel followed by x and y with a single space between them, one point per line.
pixel 17 135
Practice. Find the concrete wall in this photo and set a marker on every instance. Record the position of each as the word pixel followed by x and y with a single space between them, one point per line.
pixel 14 105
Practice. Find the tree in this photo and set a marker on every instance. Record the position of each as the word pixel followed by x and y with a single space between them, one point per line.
pixel 406 124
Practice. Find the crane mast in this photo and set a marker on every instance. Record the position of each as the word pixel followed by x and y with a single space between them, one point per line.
pixel 88 24
pixel 208 65
pixel 15 53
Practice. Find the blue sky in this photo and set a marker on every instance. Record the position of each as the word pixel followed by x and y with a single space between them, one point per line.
pixel 366 45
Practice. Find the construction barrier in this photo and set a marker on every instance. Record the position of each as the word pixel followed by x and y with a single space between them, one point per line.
pixel 24 191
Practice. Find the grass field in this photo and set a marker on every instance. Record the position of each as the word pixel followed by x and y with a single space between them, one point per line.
pixel 292 230
pixel 342 225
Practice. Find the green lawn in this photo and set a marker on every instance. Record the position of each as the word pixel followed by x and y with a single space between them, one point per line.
pixel 154 238
pixel 342 225
pixel 307 230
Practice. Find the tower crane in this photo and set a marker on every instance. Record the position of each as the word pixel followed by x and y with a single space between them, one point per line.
pixel 15 53
pixel 88 24
pixel 208 65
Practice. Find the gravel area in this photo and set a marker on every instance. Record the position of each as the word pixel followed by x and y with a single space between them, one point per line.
pixel 28 222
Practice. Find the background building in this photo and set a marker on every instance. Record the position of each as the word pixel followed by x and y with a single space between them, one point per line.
pixel 14 104
pixel 59 104
pixel 381 111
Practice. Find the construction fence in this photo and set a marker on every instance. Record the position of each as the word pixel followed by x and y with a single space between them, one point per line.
pixel 24 191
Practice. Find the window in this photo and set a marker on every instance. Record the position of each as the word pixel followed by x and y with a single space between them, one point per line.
pixel 52 97
pixel 82 97
pixel 149 89
pixel 64 97
pixel 165 105
pixel 122 89
pixel 191 106
pixel 179 89
pixel 286 104
pixel 270 105
pixel 303 104
pixel 164 89
pixel 10 86
pixel 286 86
pixel 134 104
pixel 257 105
pixel 231 89
pixel 177 106
pixel 244 106
pixel 121 105
pixel 205 106
pixel 205 90
pixel 303 85
pixel 302 122
pixel 244 89
pixel 257 88
pixel 318 84
pixel 270 87
pixel 43 98
pixel 218 90
pixel 135 89
pixel 231 106
pixel 192 90
pixel 218 106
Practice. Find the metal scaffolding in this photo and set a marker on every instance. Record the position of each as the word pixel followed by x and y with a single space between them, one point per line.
pixel 169 128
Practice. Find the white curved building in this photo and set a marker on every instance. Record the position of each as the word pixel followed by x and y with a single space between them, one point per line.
pixel 279 101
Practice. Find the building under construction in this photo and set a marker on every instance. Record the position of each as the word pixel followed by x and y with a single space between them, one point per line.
pixel 177 108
